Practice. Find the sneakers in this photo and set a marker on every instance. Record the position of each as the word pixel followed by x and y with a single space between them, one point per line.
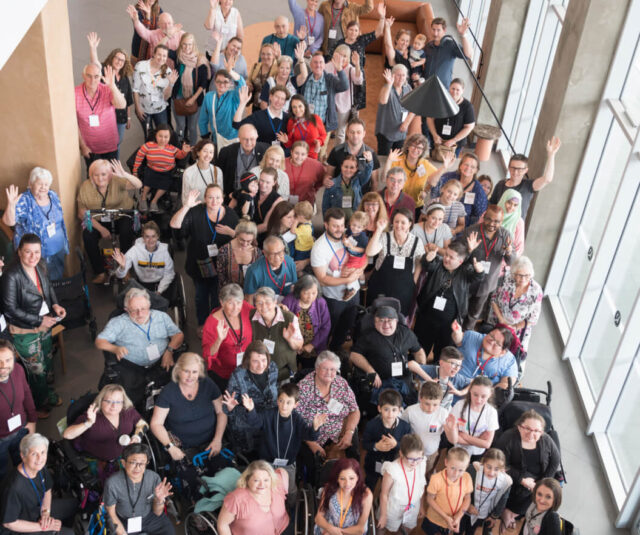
pixel 154 207
pixel 142 205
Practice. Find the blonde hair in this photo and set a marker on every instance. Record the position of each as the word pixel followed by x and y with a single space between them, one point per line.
pixel 453 183
pixel 420 37
pixel 254 467
pixel 360 217
pixel 268 152
pixel 186 36
pixel 343 50
pixel 110 389
pixel 303 209
pixel 185 360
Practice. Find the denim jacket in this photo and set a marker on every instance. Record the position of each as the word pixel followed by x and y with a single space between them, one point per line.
pixel 332 197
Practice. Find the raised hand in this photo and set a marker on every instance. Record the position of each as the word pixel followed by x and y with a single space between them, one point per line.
pixel 463 27
pixel 389 22
pixel 173 76
pixel 388 77
pixel 448 158
pixel 299 50
pixel 229 400
pixel 381 9
pixel 395 155
pixel 302 33
pixel 131 10
pixel 109 76
pixel 473 241
pixel 319 420
pixel 277 51
pixel 222 330
pixel 282 137
pixel 355 58
pixel 117 168
pixel 381 224
pixel 192 198
pixel 145 7
pixel 12 194
pixel 245 95
pixel 162 490
pixel 230 63
pixel 92 411
pixel 217 36
pixel 368 155
pixel 247 402
pixel 119 257
pixel 213 4
pixel 553 145
pixel 93 39
pixel 455 326
pixel 477 266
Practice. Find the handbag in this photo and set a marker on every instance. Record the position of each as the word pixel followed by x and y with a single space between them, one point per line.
pixel 439 149
pixel 180 105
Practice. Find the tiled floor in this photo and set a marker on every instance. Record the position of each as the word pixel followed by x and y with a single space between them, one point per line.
pixel 586 499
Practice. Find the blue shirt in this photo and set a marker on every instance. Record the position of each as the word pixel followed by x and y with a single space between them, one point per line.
pixel 315 25
pixel 457 381
pixel 218 113
pixel 287 44
pixel 259 275
pixel 495 368
pixel 123 331
pixel 440 59
pixel 33 218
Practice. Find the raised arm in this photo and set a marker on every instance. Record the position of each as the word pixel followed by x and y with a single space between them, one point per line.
pixel 382 13
pixel 389 51
pixel 386 88
pixel 466 44
pixel 209 22
pixel 301 78
pixel 94 41
pixel 552 147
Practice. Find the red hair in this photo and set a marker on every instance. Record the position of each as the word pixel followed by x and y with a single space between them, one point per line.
pixel 331 486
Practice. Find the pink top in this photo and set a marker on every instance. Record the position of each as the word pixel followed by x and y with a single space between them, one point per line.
pixel 251 519
pixel 153 37
pixel 305 180
pixel 103 137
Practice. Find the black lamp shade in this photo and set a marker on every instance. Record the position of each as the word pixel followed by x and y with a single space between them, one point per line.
pixel 430 99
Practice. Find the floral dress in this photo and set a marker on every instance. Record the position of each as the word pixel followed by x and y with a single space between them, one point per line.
pixel 332 514
pixel 228 269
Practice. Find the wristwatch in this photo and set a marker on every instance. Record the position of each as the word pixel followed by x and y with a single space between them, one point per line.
pixel 171 350
pixel 169 446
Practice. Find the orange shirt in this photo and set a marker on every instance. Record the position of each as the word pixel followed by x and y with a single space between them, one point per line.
pixel 449 496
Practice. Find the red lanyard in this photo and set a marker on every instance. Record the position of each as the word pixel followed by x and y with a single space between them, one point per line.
pixel 409 494
pixel 284 280
pixel 481 367
pixel 302 131
pixel 388 206
pixel 38 282
pixel 335 19
pixel 311 28
pixel 446 481
pixel 487 252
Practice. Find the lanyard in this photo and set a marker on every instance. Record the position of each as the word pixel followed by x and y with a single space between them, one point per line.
pixel 202 176
pixel 340 260
pixel 46 215
pixel 239 339
pixel 131 502
pixel 409 494
pixel 219 102
pixel 479 366
pixel 284 280
pixel 309 26
pixel 104 197
pixel 446 481
pixel 388 206
pixel 13 395
pixel 35 488
pixel 302 131
pixel 473 433
pixel 84 91
pixel 39 285
pixel 343 517
pixel 488 493
pixel 278 436
pixel 148 333
pixel 487 252
pixel 337 18
pixel 273 128
pixel 214 231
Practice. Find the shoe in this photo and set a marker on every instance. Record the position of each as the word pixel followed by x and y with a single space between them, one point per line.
pixel 154 207
pixel 43 414
pixel 55 400
pixel 99 279
pixel 142 205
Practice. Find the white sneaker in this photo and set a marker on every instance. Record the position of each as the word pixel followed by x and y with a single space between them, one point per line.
pixel 142 205
pixel 154 207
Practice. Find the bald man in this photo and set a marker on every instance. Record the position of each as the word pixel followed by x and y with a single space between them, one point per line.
pixel 283 38
pixel 168 32
pixel 238 158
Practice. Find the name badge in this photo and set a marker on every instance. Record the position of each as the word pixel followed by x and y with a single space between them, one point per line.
pixel 44 308
pixel 275 143
pixel 347 201
pixel 94 120
pixel 212 249
pixel 398 262
pixel 270 345
pixel 469 197
pixel 486 266
pixel 333 33
pixel 152 352
pixel 421 171
pixel 278 463
pixel 334 406
pixel 446 129
pixel 225 29
pixel 439 303
pixel 239 357
pixel 396 369
pixel 404 116
pixel 311 39
pixel 336 273
pixel 51 230
pixel 378 467
pixel 14 422
pixel 289 236
pixel 408 515
pixel 105 218
pixel 3 323
pixel 134 524
pixel 294 199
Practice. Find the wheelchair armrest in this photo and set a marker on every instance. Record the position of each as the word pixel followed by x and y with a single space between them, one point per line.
pixel 78 462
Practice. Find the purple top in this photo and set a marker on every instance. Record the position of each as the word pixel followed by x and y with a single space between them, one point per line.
pixel 319 312
pixel 16 392
pixel 101 439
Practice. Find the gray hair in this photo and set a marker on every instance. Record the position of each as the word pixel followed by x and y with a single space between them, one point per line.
pixel 328 355
pixel 231 291
pixel 40 173
pixel 284 59
pixel 399 67
pixel 304 283
pixel 267 292
pixel 396 171
pixel 136 292
pixel 523 263
pixel 32 440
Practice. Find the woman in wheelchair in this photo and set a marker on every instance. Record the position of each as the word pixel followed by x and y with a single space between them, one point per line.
pixel 101 431
pixel 150 259
pixel 346 501
pixel 188 414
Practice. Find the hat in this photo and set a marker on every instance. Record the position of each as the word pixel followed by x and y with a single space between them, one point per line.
pixel 386 312
pixel 246 179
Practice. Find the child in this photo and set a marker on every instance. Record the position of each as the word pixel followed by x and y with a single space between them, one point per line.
pixel 150 259
pixel 303 211
pixel 454 212
pixel 491 485
pixel 417 59
pixel 448 495
pixel 161 160
pixel 382 434
pixel 403 484
pixel 477 419
pixel 243 200
pixel 428 419
pixel 541 517
pixel 355 242
pixel 446 374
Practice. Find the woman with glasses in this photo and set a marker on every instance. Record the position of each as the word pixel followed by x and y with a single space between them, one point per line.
pixel 235 257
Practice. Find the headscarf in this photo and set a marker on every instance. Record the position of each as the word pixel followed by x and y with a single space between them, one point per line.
pixel 510 221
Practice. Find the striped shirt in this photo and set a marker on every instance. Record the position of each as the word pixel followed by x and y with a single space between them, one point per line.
pixel 160 159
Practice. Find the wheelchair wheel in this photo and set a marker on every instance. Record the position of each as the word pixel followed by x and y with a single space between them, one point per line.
pixel 199 523
pixel 304 511
pixel 371 522
pixel 158 461
pixel 179 312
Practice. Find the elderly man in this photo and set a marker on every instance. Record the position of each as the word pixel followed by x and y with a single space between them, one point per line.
pixel 96 105
pixel 269 122
pixel 18 415
pixel 239 158
pixel 143 341
pixel 392 193
pixel 383 349
pixel 275 270
pixel 284 43
pixel 168 33
pixel 230 59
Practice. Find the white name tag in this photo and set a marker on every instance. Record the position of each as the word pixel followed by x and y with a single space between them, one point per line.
pixel 152 352
pixel 446 129
pixel 134 524
pixel 105 219
pixel 396 369
pixel 439 303
pixel 398 262
pixel 94 120
pixel 378 467
pixel 280 462
pixel 486 266
pixel 469 197
pixel 294 199
pixel 212 249
pixel 14 422
pixel 270 345
pixel 44 308
pixel 276 143
pixel 334 406
pixel 336 273
pixel 404 116
pixel 312 107
pixel 311 39
pixel 3 323
pixel 226 29
pixel 421 170
pixel 333 33
pixel 347 201
pixel 239 357
pixel 51 230
pixel 289 236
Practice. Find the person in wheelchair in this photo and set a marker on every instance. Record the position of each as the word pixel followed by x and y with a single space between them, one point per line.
pixel 100 432
pixel 143 341
pixel 150 259
pixel 134 497
pixel 387 346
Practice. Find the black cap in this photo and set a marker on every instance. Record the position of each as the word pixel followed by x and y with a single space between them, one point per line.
pixel 246 179
pixel 386 312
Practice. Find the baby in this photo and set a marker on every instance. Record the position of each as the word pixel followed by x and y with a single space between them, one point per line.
pixel 417 59
pixel 355 242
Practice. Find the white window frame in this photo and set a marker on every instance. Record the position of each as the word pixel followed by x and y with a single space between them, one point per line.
pixel 477 11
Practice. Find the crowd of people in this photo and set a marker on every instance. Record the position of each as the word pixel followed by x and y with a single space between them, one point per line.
pixel 415 284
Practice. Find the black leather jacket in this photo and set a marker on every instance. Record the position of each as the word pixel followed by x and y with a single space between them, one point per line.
pixel 21 300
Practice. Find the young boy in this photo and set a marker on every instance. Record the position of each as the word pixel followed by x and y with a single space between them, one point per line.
pixel 448 495
pixel 446 374
pixel 428 419
pixel 355 242
pixel 304 230
pixel 382 435
pixel 417 59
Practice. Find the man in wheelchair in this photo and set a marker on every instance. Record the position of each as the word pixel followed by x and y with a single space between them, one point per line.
pixel 143 342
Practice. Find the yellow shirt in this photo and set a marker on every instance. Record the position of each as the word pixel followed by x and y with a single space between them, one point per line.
pixel 416 178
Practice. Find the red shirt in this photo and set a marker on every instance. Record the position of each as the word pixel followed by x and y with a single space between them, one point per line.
pixel 104 136
pixel 306 131
pixel 305 180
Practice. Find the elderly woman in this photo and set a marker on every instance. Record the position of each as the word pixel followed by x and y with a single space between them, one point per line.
pixel 518 300
pixel 38 211
pixel 31 309
pixel 284 65
pixel 397 265
pixel 209 226
pixel 202 173
pixel 108 187
pixel 256 377
pixel 392 120
pixel 226 334
pixel 278 329
pixel 373 205
pixel 188 413
pixel 274 158
pixel 305 174
pixel 313 317
pixel 303 126
pixel 345 190
pixel 99 432
pixel 260 72
pixel 531 456
pixel 29 506
pixel 257 505
pixel 235 257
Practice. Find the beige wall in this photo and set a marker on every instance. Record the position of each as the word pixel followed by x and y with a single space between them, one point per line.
pixel 38 111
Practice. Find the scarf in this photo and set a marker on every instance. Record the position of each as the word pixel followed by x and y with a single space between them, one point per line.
pixel 510 221
pixel 190 62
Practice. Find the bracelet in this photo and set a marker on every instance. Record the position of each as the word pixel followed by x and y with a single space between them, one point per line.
pixel 45 511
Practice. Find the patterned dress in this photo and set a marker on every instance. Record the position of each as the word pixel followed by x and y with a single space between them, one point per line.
pixel 332 515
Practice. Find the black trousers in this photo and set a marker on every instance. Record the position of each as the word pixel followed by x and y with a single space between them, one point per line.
pixel 343 317
pixel 134 380
pixel 124 229
pixel 433 332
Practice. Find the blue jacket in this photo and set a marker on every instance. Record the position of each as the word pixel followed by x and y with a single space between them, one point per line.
pixel 332 197
pixel 228 105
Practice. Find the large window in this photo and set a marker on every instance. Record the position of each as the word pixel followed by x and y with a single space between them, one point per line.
pixel 477 12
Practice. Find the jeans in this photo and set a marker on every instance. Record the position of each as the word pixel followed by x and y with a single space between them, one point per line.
pixel 10 448
pixel 55 265
pixel 187 126
pixel 206 297
pixel 157 119
pixel 121 129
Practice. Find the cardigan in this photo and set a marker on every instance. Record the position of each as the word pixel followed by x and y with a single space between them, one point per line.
pixel 319 313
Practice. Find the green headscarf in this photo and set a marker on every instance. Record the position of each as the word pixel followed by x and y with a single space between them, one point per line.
pixel 510 221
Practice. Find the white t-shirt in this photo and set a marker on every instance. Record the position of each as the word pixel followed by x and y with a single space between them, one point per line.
pixel 486 420
pixel 334 260
pixel 427 426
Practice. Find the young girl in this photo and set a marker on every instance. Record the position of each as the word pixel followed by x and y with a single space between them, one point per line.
pixel 161 159
pixel 541 517
pixel 243 200
pixel 477 419
pixel 491 485
pixel 454 212
pixel 403 483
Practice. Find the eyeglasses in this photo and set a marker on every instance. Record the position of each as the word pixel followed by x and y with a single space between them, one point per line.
pixel 137 465
pixel 274 253
pixel 419 147
pixel 529 430
pixel 521 276
pixel 112 401
pixel 453 364
pixel 138 310
pixel 518 169
pixel 386 321
pixel 222 81
pixel 414 460
pixel 494 341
